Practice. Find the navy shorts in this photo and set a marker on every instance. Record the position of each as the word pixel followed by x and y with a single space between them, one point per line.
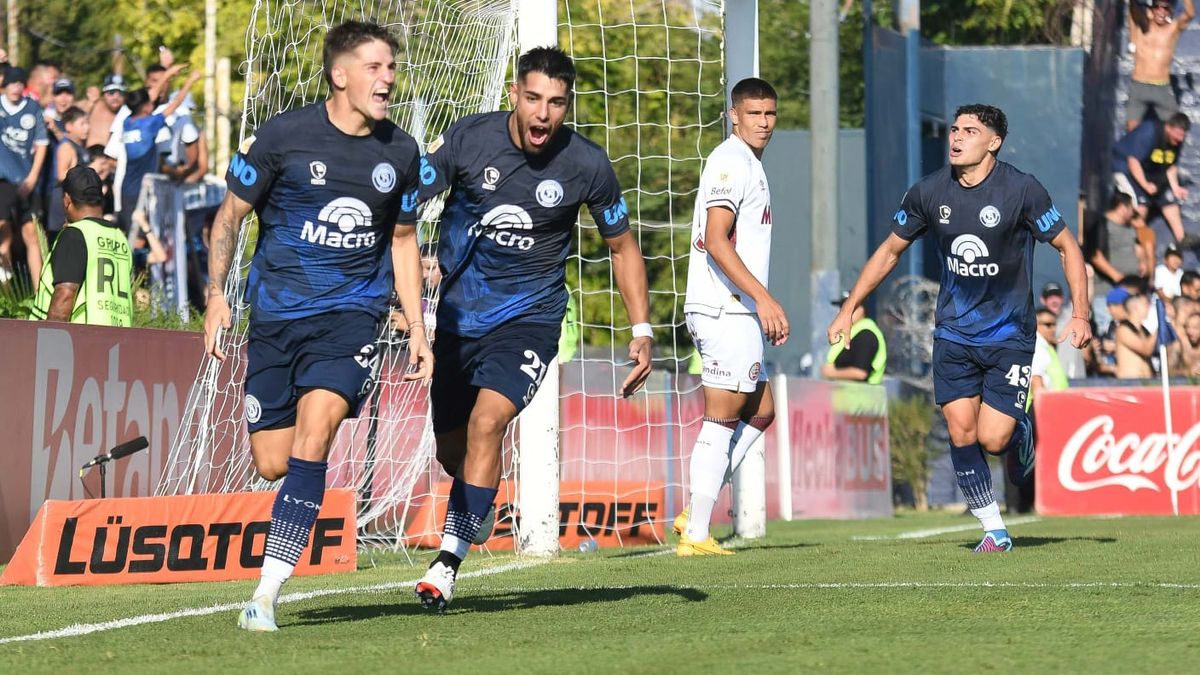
pixel 334 351
pixel 999 374
pixel 510 360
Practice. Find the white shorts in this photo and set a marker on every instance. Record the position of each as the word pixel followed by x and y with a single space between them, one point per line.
pixel 731 348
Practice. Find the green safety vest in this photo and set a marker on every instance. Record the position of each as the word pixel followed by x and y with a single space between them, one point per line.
pixel 880 360
pixel 1058 377
pixel 105 297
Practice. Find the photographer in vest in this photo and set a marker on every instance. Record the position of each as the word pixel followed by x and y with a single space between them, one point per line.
pixel 864 358
pixel 89 275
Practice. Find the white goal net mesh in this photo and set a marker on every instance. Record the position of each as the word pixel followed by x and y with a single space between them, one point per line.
pixel 650 90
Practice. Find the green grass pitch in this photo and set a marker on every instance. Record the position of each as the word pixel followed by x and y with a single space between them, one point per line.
pixel 1079 595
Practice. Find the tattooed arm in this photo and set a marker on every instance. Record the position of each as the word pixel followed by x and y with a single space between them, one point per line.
pixel 222 248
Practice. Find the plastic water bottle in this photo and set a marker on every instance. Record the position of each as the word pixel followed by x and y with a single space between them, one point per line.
pixel 587 546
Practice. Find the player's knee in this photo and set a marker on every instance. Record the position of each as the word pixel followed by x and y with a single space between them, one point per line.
pixel 271 468
pixel 450 459
pixel 312 445
pixel 962 434
pixel 487 424
pixel 993 444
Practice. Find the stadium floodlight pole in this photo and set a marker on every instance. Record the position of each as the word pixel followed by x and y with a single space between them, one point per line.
pixel 825 127
pixel 910 26
pixel 741 61
pixel 537 488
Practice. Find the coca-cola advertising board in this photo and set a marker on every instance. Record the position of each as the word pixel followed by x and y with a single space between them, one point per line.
pixel 1106 451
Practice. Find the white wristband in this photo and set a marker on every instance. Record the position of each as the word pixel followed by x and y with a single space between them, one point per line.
pixel 641 330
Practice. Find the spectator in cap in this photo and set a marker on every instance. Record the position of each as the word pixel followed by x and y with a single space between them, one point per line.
pixel 1052 297
pixel 90 272
pixel 62 97
pixel 863 357
pixel 1168 274
pixel 112 99
pixel 23 144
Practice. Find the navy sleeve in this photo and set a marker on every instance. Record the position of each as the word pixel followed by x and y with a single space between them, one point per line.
pixel 1040 213
pixel 437 168
pixel 605 202
pixel 253 169
pixel 68 262
pixel 409 185
pixel 911 222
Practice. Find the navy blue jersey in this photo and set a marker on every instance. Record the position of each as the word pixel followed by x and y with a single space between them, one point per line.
pixel 22 127
pixel 984 236
pixel 327 203
pixel 506 227
pixel 141 157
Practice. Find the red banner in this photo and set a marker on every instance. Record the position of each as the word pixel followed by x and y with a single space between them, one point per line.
pixel 1106 451
pixel 144 540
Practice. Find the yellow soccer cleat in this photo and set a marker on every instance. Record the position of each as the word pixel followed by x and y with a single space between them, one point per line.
pixel 687 547
pixel 681 521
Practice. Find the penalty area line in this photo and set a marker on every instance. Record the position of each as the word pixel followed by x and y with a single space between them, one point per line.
pixel 933 532
pixel 77 630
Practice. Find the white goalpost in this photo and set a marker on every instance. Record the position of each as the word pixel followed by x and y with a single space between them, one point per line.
pixel 651 90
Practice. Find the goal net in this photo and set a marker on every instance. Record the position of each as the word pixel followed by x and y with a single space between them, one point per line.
pixel 650 91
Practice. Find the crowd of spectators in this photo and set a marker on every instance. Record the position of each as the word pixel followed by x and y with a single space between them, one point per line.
pixel 50 122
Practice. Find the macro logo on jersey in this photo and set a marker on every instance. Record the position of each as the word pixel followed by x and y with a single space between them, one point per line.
pixel 989 216
pixel 1048 219
pixel 964 252
pixel 504 225
pixel 383 177
pixel 549 193
pixel 352 220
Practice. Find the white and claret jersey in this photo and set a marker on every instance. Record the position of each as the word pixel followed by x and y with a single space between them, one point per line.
pixel 733 178
pixel 984 236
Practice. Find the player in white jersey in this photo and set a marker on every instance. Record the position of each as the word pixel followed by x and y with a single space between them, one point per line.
pixel 728 307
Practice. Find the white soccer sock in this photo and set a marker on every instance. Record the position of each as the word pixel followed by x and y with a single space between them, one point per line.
pixel 710 459
pixel 989 517
pixel 275 573
pixel 745 436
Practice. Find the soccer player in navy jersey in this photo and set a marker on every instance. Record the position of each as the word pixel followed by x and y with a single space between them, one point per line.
pixel 516 181
pixel 985 217
pixel 334 185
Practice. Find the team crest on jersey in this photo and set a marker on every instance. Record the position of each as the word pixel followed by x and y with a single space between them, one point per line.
pixel 317 169
pixel 989 216
pixel 755 370
pixel 27 121
pixel 549 193
pixel 491 176
pixel 383 177
pixel 944 214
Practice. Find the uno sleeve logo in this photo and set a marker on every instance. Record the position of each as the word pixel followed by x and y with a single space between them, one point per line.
pixel 428 173
pixel 242 170
pixel 615 213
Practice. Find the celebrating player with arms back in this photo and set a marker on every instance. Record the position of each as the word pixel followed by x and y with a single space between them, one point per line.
pixel 334 186
pixel 729 309
pixel 516 180
pixel 985 216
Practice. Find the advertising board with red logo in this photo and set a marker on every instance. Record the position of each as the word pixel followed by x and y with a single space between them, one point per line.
pixel 1106 451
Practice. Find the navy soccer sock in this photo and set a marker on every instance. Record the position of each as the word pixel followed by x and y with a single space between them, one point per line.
pixel 296 506
pixel 975 481
pixel 464 514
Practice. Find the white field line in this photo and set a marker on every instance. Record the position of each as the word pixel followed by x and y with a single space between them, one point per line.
pixel 89 628
pixel 933 532
pixel 871 585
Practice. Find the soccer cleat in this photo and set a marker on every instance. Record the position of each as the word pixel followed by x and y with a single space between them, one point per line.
pixel 687 547
pixel 485 527
pixel 995 541
pixel 681 521
pixel 436 589
pixel 258 616
pixel 1018 464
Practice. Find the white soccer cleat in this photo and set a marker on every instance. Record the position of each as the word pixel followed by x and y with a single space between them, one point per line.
pixel 436 589
pixel 486 527
pixel 258 616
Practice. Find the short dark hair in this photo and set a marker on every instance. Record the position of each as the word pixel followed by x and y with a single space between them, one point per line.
pixel 1119 199
pixel 1044 310
pixel 97 151
pixel 752 87
pixel 1189 277
pixel 136 99
pixel 72 115
pixel 1133 283
pixel 1180 121
pixel 155 68
pixel 991 117
pixel 348 36
pixel 549 61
